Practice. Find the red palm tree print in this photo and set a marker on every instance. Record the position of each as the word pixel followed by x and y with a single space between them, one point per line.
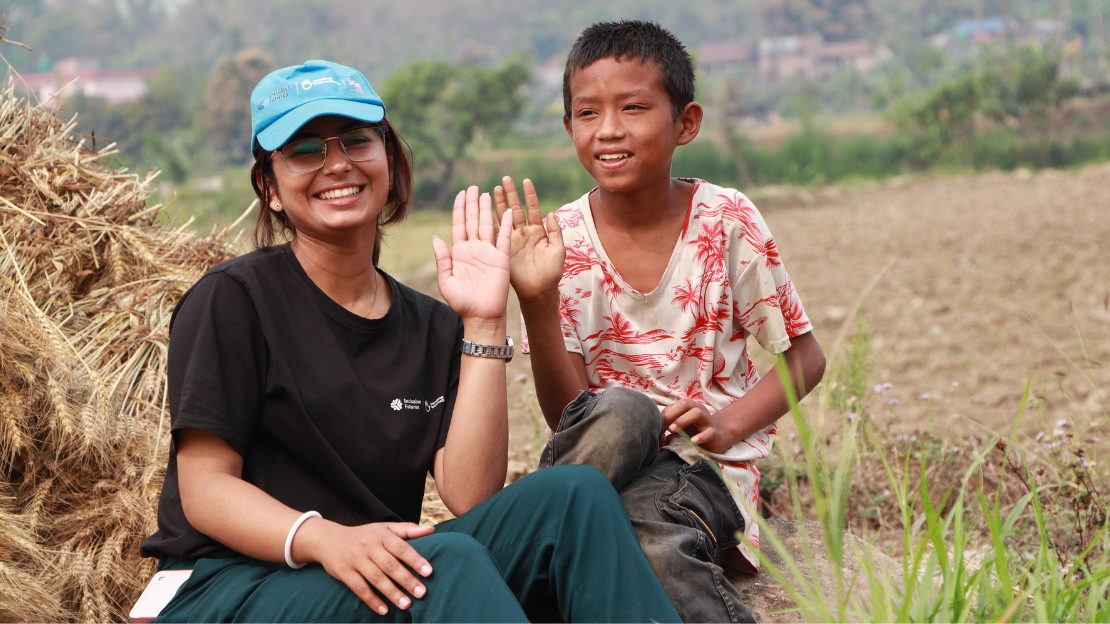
pixel 621 331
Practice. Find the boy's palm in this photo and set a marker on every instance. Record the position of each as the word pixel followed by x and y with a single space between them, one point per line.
pixel 537 254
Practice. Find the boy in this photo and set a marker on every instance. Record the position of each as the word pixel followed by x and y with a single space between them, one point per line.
pixel 638 299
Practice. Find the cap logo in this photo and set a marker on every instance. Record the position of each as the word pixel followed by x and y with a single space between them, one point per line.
pixel 307 84
pixel 354 84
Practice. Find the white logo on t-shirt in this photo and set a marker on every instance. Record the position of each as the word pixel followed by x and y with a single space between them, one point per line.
pixel 414 404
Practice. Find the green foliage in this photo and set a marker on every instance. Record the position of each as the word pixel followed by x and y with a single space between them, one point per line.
pixel 227 115
pixel 1021 90
pixel 850 386
pixel 834 19
pixel 1025 88
pixel 944 116
pixel 1021 573
pixel 442 109
pixel 156 130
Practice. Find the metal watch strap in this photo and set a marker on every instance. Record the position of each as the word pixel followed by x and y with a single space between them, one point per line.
pixel 504 352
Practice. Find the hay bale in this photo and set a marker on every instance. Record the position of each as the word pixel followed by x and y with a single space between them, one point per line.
pixel 88 280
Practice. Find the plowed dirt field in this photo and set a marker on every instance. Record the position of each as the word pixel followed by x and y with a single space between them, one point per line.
pixel 989 280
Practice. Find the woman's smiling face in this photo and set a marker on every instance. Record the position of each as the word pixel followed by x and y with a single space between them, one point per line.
pixel 343 197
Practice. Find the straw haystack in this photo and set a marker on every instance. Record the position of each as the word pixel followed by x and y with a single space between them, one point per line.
pixel 88 280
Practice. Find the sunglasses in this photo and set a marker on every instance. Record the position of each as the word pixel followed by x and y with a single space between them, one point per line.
pixel 360 144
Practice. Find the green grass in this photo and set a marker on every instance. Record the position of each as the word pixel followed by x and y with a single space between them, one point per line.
pixel 1033 545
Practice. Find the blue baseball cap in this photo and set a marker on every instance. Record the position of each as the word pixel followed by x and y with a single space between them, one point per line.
pixel 289 98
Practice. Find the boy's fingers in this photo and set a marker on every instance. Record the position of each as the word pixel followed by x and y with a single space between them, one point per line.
pixel 514 201
pixel 458 219
pixel 499 203
pixel 688 418
pixel 704 436
pixel 533 201
pixel 554 231
pixel 472 213
pixel 485 218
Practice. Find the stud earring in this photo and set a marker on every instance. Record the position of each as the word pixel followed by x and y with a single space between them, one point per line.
pixel 276 205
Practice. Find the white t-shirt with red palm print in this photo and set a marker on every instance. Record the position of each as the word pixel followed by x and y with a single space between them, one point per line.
pixel 687 338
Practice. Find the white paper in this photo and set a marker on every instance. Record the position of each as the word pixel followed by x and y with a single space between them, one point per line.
pixel 158 593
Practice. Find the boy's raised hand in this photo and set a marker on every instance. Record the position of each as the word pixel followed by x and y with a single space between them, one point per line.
pixel 537 255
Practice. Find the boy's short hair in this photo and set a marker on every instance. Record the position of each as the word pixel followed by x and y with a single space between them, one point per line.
pixel 646 41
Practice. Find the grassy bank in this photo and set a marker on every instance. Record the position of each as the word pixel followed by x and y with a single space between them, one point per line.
pixel 984 529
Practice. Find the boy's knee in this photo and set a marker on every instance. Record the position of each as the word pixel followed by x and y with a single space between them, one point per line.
pixel 631 411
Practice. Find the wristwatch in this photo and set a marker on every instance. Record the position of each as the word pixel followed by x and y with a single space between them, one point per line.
pixel 504 352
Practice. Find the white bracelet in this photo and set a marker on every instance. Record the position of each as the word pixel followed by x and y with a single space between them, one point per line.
pixel 293 531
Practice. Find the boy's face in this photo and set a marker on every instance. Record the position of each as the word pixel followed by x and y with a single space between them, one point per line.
pixel 622 123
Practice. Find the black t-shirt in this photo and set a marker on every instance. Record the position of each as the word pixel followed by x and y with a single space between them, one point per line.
pixel 331 411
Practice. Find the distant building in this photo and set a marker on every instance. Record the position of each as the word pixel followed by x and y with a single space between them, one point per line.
pixel 784 57
pixel 969 35
pixel 725 57
pixel 778 58
pixel 114 85
pixel 858 55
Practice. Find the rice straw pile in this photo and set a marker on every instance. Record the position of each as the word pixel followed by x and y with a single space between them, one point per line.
pixel 88 281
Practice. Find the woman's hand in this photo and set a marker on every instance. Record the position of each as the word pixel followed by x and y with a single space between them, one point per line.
pixel 372 555
pixel 536 259
pixel 474 273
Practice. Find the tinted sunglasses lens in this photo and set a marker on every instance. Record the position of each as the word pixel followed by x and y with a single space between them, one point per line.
pixel 363 144
pixel 305 155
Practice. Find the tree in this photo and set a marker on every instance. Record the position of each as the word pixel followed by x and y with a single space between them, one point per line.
pixel 442 109
pixel 228 120
pixel 834 19
pixel 1025 90
pixel 945 117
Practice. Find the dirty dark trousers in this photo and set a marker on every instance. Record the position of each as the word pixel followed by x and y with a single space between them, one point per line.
pixel 683 514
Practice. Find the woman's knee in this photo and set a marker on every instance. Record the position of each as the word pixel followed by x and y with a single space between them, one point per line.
pixel 575 483
pixel 452 547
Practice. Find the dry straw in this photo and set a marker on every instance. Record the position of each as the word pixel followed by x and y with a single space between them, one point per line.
pixel 88 280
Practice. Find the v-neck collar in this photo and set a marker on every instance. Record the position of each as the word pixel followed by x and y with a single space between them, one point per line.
pixel 676 253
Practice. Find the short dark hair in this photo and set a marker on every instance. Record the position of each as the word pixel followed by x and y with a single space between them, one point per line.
pixel 270 224
pixel 646 41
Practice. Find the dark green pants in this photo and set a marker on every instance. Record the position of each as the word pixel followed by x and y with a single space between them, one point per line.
pixel 555 542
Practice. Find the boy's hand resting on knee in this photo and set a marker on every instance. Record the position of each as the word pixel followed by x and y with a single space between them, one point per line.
pixel 537 254
pixel 694 419
pixel 367 555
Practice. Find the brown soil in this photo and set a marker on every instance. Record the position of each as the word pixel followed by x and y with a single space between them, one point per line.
pixel 992 280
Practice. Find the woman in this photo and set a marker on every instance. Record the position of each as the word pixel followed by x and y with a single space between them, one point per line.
pixel 311 393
